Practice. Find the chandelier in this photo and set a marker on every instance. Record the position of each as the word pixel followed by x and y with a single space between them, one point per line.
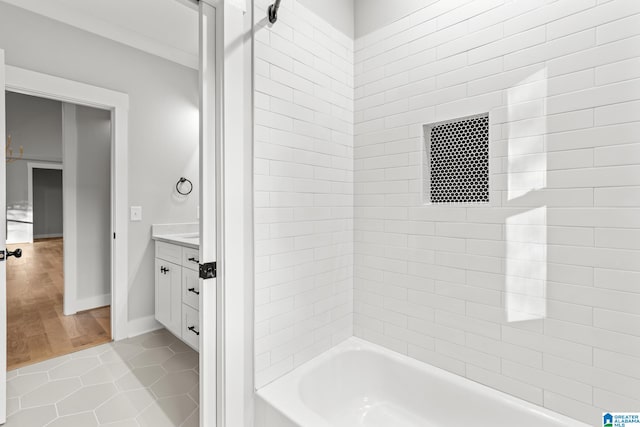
pixel 8 150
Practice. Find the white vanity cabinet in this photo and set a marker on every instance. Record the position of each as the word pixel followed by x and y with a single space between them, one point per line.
pixel 177 287
pixel 168 295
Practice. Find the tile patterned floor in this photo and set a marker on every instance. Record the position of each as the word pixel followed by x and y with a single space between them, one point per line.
pixel 146 381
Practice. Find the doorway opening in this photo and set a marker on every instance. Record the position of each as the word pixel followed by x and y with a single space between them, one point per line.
pixel 58 178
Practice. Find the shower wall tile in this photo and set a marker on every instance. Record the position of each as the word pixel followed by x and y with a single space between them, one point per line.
pixel 618 71
pixel 628 154
pixel 597 56
pixel 535 294
pixel 538 15
pixel 620 197
pixel 618 113
pixel 304 89
pixel 593 17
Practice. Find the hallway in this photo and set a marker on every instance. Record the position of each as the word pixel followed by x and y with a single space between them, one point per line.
pixel 37 330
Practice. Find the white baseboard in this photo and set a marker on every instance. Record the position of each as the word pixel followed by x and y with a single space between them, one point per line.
pixel 47 236
pixel 93 302
pixel 142 326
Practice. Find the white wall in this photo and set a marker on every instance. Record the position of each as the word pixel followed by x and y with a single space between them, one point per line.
pixel 163 122
pixel 558 245
pixel 338 13
pixel 371 15
pixel 93 203
pixel 303 188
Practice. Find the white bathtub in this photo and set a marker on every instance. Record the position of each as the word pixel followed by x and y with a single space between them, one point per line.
pixel 361 384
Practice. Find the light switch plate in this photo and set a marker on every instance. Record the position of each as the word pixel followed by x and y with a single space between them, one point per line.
pixel 136 213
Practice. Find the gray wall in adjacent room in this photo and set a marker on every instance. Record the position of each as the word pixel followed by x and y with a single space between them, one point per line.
pixel 36 125
pixel 93 202
pixel 47 203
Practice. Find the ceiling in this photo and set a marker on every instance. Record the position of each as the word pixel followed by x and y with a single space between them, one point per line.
pixel 167 28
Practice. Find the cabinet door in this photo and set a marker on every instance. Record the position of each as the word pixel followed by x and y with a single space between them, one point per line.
pixel 169 295
pixel 190 327
pixel 191 288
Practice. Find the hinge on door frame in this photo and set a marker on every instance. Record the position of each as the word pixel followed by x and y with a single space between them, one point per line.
pixel 208 270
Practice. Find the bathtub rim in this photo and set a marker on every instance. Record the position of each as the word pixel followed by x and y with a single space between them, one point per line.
pixel 284 396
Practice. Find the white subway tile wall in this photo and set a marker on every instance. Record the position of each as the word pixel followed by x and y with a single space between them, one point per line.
pixel 538 292
pixel 304 124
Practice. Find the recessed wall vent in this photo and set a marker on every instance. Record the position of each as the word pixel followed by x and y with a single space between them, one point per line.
pixel 456 161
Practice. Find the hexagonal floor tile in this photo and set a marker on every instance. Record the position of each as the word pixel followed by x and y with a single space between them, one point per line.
pixel 45 366
pixel 195 393
pixel 180 347
pixel 168 412
pixel 50 393
pixel 123 423
pixel 150 380
pixel 182 362
pixel 74 368
pixel 154 356
pixel 106 373
pixel 86 419
pixel 13 406
pixel 22 384
pixel 121 352
pixel 86 399
pixel 193 420
pixel 118 408
pixel 40 416
pixel 159 340
pixel 141 377
pixel 175 383
pixel 140 399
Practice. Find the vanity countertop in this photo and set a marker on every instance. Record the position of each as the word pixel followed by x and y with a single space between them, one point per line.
pixel 178 234
pixel 188 240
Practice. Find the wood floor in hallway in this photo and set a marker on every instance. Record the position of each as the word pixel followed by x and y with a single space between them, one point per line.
pixel 36 327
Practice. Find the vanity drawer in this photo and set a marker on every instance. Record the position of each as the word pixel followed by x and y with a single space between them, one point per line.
pixel 191 320
pixel 169 252
pixel 191 288
pixel 190 258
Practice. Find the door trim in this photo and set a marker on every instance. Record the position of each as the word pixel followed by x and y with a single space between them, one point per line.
pixel 3 265
pixel 226 115
pixel 46 86
pixel 210 117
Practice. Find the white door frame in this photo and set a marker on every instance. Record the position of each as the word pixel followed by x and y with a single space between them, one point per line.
pixel 226 340
pixel 210 118
pixel 30 167
pixel 3 264
pixel 46 86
